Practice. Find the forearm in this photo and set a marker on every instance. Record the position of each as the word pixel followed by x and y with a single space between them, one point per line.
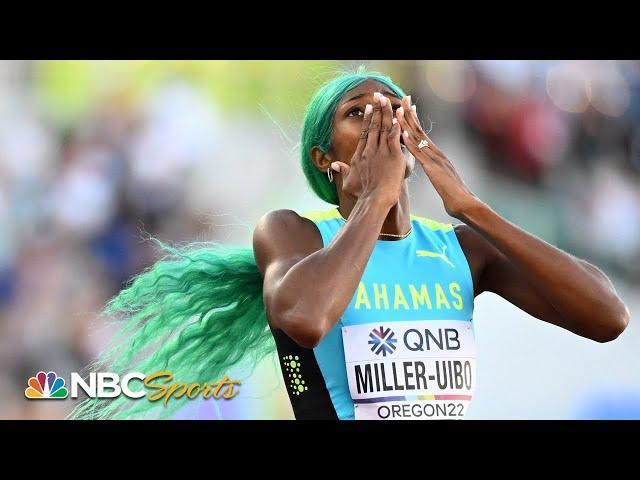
pixel 581 294
pixel 314 293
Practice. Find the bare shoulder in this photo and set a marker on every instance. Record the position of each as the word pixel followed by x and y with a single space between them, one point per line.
pixel 284 233
pixel 284 224
pixel 478 251
pixel 469 239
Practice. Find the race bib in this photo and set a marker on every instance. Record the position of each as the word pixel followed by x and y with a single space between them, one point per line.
pixel 417 370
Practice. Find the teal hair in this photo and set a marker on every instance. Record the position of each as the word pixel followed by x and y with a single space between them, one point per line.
pixel 317 126
pixel 198 312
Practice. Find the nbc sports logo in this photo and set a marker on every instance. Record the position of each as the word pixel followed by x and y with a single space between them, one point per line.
pixel 111 385
pixel 46 386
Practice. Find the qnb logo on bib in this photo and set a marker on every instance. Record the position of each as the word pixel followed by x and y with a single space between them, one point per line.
pixel 430 376
pixel 382 341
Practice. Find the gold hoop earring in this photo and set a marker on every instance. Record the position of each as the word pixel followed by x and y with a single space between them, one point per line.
pixel 330 174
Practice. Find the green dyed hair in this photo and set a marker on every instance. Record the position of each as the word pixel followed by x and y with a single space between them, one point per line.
pixel 199 311
pixel 196 313
pixel 317 127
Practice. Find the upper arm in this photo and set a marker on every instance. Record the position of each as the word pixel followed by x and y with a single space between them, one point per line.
pixel 280 240
pixel 493 272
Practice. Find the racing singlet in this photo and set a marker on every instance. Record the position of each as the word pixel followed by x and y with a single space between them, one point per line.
pixel 404 348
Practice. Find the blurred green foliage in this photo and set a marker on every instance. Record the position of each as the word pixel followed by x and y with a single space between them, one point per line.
pixel 70 88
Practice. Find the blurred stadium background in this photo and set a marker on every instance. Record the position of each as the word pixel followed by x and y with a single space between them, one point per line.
pixel 93 153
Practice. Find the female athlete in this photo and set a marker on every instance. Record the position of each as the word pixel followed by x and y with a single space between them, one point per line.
pixel 369 307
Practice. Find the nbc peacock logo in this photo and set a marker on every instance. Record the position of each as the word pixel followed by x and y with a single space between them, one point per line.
pixel 46 386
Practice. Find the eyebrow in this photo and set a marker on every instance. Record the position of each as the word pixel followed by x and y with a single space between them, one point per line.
pixel 360 95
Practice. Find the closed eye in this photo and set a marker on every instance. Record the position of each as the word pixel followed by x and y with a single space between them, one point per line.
pixel 359 112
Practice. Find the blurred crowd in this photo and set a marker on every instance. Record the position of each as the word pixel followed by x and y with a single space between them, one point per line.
pixel 571 131
pixel 75 206
pixel 78 198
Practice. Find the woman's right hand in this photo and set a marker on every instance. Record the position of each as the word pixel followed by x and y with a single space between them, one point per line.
pixel 298 268
pixel 377 168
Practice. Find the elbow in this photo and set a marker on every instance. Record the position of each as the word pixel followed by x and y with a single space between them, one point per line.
pixel 614 327
pixel 299 330
pixel 302 323
pixel 309 339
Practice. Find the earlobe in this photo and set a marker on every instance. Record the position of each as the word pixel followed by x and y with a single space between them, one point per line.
pixel 321 159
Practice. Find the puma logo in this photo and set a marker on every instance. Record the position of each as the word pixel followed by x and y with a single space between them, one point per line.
pixel 442 256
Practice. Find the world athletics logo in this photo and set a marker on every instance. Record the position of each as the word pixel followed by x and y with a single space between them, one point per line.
pixel 46 386
pixel 382 341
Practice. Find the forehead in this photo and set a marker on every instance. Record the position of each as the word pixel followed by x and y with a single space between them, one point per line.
pixel 368 87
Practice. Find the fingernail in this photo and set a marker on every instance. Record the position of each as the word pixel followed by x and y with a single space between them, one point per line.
pixel 406 134
pixel 368 108
pixel 335 166
pixel 376 95
pixel 409 97
pixel 394 120
pixel 383 101
pixel 414 108
pixel 400 111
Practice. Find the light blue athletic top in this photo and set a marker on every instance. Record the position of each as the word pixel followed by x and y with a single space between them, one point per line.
pixel 424 276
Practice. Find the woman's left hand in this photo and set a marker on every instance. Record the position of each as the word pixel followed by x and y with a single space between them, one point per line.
pixel 533 275
pixel 456 196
